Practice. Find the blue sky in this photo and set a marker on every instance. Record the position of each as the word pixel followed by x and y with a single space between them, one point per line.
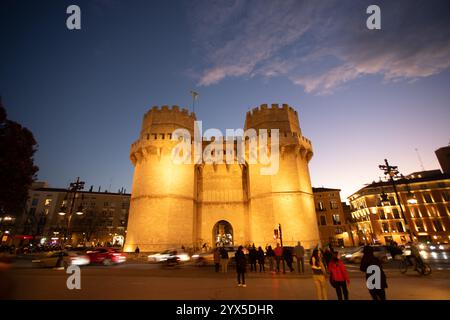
pixel 362 95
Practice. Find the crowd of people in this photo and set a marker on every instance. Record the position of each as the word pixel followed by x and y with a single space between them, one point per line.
pixel 326 266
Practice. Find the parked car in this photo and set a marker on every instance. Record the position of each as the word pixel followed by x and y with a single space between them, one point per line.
pixel 106 256
pixel 50 259
pixel 380 252
pixel 168 254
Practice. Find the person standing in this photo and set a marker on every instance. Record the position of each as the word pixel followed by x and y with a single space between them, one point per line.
pixel 241 266
pixel 216 259
pixel 338 276
pixel 278 255
pixel 368 260
pixel 299 252
pixel 261 258
pixel 253 256
pixel 287 255
pixel 224 259
pixel 270 255
pixel 319 274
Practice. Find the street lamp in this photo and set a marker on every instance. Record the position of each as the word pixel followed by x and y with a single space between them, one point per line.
pixel 392 171
pixel 73 188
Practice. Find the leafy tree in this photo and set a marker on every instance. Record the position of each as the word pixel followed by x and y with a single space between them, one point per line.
pixel 17 169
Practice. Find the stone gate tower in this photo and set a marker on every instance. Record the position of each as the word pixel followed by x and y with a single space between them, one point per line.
pixel 162 203
pixel 285 198
pixel 174 205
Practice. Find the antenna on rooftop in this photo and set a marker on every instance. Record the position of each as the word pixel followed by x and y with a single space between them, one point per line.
pixel 420 159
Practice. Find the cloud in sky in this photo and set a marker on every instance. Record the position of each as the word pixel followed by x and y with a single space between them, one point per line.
pixel 319 45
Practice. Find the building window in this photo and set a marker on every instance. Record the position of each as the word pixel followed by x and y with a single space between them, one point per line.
pixel 333 204
pixel 399 226
pixel 419 226
pixel 35 201
pixel 427 198
pixel 438 225
pixel 323 220
pixel 392 201
pixel 385 226
pixel 336 219
pixel 395 213
pixel 320 206
pixel 446 196
pixel 106 204
pixel 339 231
pixel 382 215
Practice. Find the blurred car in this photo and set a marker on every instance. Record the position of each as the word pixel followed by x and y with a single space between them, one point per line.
pixel 50 259
pixel 432 246
pixel 168 254
pixel 207 258
pixel 380 252
pixel 106 256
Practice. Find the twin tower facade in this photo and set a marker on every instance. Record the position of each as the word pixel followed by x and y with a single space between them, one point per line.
pixel 210 204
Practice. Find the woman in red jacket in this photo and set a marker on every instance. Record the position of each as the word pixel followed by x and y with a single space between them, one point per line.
pixel 338 276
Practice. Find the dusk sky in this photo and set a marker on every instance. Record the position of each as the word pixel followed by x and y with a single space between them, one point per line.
pixel 362 95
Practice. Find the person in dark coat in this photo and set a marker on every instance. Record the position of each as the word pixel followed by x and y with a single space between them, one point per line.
pixel 287 256
pixel 261 258
pixel 271 255
pixel 253 256
pixel 368 260
pixel 241 266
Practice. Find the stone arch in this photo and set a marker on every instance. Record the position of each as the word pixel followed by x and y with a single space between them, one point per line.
pixel 222 234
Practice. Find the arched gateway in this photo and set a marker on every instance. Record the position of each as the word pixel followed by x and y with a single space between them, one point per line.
pixel 222 234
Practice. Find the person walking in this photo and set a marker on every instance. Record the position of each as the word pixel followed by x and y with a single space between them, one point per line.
pixel 278 255
pixel 216 259
pixel 338 276
pixel 224 259
pixel 253 256
pixel 319 274
pixel 368 260
pixel 299 253
pixel 261 258
pixel 241 266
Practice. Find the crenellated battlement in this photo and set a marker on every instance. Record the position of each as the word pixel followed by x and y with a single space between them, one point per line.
pixel 274 107
pixel 174 110
pixel 166 119
pixel 274 116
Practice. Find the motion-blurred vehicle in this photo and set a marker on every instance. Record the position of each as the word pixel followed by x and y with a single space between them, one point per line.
pixel 106 256
pixel 50 259
pixel 207 258
pixel 380 252
pixel 168 255
pixel 432 246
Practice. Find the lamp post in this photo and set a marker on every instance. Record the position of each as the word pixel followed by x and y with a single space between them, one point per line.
pixel 73 188
pixel 392 171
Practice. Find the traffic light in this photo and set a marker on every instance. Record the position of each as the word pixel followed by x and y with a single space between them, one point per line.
pixel 275 234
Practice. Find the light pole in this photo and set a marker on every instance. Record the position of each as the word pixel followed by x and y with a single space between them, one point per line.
pixel 73 188
pixel 392 171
